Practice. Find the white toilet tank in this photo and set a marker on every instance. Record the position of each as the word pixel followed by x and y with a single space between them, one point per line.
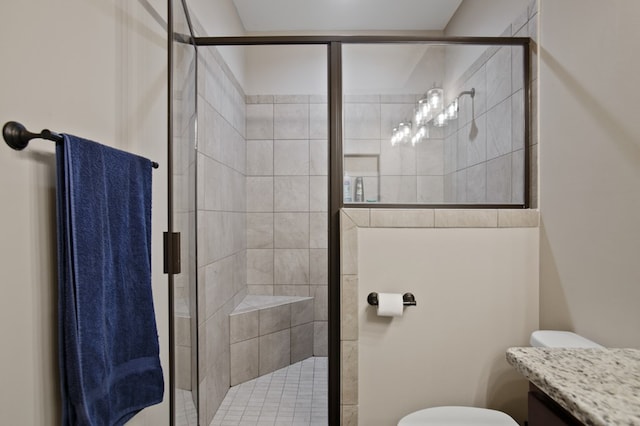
pixel 560 339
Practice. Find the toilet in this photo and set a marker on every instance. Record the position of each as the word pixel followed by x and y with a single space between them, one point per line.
pixel 472 416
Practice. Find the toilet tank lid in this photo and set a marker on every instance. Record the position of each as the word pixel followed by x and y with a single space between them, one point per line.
pixel 560 339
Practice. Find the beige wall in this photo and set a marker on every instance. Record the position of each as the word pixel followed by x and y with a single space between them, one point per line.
pixel 218 18
pixel 590 169
pixel 477 295
pixel 483 18
pixel 96 69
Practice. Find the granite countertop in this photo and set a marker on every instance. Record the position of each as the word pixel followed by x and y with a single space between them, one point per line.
pixel 597 386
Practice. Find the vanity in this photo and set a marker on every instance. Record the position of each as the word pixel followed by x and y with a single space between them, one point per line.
pixel 598 387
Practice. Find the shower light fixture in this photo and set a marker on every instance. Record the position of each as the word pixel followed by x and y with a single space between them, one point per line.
pixel 429 112
pixel 402 133
pixel 452 110
pixel 435 96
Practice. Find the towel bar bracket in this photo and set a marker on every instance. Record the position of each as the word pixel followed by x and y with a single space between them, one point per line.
pixel 18 137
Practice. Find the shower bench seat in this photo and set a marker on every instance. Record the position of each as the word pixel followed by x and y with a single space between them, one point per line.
pixel 268 333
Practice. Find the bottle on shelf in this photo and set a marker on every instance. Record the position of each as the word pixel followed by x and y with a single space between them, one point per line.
pixel 359 196
pixel 346 189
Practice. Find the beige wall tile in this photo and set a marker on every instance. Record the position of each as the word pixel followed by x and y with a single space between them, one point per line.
pixel 291 194
pixel 318 230
pixel 320 302
pixel 260 194
pixel 291 121
pixel 183 367
pixel 487 218
pixel 244 361
pixel 259 230
pixel 398 189
pixel 361 121
pixel 320 338
pixel 275 351
pixel 499 180
pixel 291 290
pixel 260 269
pixel 301 342
pixel 302 312
pixel 349 372
pixel 318 190
pixel 243 326
pixel 260 157
pixel 430 189
pixel 291 230
pixel 349 308
pixel 275 319
pixel 259 121
pixel 260 290
pixel 360 217
pixel 402 218
pixel 182 330
pixel 291 157
pixel 291 266
pixel 498 77
pixel 348 245
pixel 499 133
pixel 318 266
pixel 518 218
pixel 318 157
pixel 349 415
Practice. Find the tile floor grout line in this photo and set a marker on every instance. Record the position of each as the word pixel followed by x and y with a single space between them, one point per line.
pixel 296 388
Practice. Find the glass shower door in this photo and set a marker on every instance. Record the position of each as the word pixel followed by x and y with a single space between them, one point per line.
pixel 183 76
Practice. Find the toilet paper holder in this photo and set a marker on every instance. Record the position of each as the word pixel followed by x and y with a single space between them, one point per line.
pixel 408 299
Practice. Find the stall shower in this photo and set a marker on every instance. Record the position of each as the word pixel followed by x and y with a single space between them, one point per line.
pixel 251 322
pixel 251 165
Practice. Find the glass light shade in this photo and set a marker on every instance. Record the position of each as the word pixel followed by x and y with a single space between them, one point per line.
pixel 452 110
pixel 405 128
pixel 422 111
pixel 418 116
pixel 420 135
pixel 440 119
pixel 426 109
pixel 435 96
pixel 394 136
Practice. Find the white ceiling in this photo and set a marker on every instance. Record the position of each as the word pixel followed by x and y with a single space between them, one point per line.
pixel 345 15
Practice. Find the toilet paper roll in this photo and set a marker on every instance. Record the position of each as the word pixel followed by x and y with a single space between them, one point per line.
pixel 390 305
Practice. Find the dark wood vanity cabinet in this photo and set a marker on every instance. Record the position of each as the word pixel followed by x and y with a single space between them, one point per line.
pixel 544 411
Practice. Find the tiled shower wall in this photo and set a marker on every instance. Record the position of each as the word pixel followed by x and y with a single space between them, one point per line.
pixel 287 188
pixel 476 159
pixel 408 174
pixel 221 167
pixel 484 148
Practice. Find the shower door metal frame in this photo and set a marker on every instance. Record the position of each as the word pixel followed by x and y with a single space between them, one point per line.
pixel 172 252
pixel 335 123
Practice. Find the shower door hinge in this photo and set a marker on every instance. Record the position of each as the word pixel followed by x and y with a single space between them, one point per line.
pixel 172 257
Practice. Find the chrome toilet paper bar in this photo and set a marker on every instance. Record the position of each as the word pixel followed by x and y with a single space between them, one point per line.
pixel 408 299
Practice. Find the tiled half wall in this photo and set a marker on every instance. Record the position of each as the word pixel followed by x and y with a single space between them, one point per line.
pixel 353 219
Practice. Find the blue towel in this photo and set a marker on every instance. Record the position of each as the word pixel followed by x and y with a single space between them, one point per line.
pixel 108 340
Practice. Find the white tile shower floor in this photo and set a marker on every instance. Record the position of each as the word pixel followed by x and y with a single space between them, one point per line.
pixel 294 396
pixel 186 414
